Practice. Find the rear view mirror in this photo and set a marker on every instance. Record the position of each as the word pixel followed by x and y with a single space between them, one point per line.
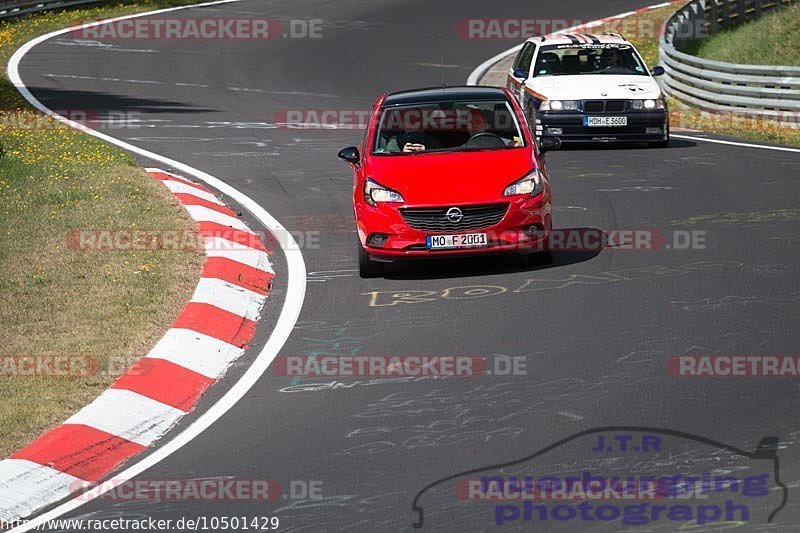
pixel 658 71
pixel 350 154
pixel 521 73
pixel 548 144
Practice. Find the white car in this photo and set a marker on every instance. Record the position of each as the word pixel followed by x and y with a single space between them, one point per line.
pixel 589 88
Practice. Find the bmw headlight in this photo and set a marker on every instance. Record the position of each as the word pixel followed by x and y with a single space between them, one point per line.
pixel 559 105
pixel 374 193
pixel 648 104
pixel 530 185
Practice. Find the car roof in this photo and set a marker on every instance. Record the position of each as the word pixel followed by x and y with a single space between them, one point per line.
pixel 444 94
pixel 580 38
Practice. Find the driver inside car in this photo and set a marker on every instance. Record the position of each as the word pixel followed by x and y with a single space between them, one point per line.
pixel 609 59
pixel 487 129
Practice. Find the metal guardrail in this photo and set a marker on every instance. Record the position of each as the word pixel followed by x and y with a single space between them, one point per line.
pixel 17 8
pixel 766 91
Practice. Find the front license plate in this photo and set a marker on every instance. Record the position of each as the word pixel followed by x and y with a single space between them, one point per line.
pixel 594 122
pixel 449 242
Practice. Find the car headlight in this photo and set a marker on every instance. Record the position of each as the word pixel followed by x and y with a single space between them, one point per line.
pixel 648 104
pixel 530 185
pixel 375 193
pixel 559 105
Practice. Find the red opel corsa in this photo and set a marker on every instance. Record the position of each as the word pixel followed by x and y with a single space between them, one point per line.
pixel 445 172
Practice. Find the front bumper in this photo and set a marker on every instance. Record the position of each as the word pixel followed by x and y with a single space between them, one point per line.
pixel 569 127
pixel 524 227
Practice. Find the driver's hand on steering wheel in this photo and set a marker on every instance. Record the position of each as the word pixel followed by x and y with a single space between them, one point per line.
pixel 413 147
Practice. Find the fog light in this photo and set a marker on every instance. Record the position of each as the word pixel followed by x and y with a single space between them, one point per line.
pixel 555 131
pixel 652 131
pixel 377 240
pixel 535 230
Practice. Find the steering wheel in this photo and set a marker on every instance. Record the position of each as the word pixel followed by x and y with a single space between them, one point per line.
pixel 485 140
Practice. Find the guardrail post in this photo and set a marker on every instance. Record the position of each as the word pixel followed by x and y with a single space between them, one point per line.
pixel 757 13
pixel 726 13
pixel 714 16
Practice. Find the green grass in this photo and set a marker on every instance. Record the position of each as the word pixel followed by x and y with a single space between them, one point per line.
pixel 774 39
pixel 55 300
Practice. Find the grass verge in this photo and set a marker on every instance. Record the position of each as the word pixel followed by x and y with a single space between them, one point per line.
pixel 774 39
pixel 106 307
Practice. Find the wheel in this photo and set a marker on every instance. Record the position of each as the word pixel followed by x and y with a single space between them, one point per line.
pixel 367 268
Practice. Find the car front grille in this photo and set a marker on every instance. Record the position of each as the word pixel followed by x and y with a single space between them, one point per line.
pixel 594 106
pixel 615 106
pixel 604 106
pixel 435 219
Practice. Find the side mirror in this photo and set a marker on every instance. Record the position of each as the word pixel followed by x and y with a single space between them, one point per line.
pixel 521 73
pixel 350 154
pixel 658 71
pixel 548 144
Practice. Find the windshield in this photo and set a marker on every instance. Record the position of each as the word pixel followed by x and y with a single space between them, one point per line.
pixel 446 127
pixel 574 60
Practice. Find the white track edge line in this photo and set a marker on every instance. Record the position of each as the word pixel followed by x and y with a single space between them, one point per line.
pixel 736 143
pixel 293 303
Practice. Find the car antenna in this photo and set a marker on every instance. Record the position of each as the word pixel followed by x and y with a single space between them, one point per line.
pixel 441 66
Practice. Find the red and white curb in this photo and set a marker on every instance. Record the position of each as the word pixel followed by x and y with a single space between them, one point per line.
pixel 150 398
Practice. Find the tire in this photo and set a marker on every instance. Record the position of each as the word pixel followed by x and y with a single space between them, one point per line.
pixel 367 268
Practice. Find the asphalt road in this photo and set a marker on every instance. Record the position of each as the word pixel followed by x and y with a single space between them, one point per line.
pixel 595 330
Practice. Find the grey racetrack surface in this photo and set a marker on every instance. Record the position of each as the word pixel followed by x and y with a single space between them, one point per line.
pixel 596 330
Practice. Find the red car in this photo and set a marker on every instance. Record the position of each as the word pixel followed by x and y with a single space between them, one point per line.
pixel 447 172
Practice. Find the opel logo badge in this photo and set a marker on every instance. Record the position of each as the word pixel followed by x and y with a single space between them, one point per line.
pixel 603 94
pixel 454 215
